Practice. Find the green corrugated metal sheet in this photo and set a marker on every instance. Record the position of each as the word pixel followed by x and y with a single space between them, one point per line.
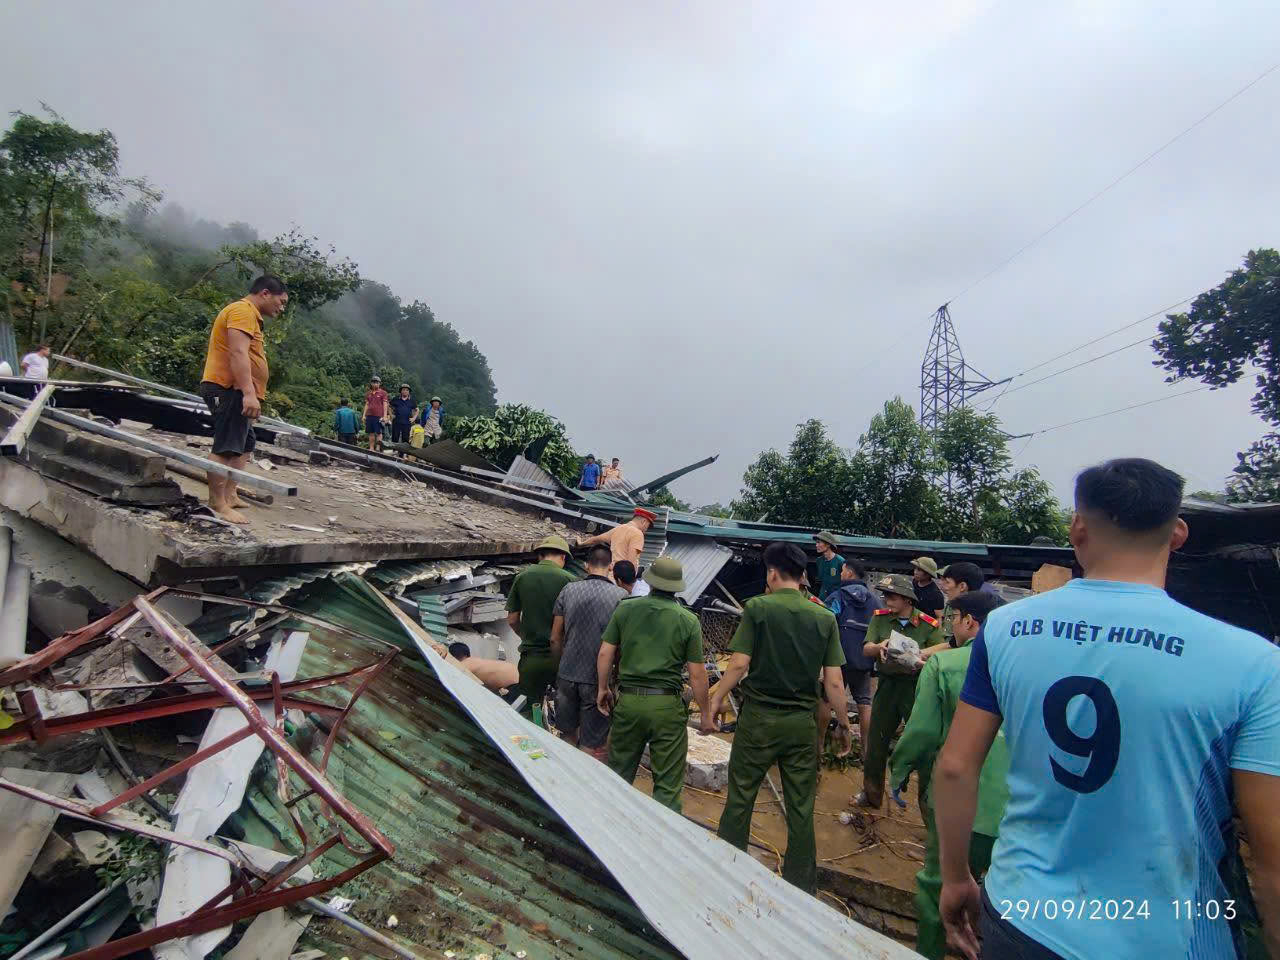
pixel 433 618
pixel 482 865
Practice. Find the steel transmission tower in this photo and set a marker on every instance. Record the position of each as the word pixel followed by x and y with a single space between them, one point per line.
pixel 946 381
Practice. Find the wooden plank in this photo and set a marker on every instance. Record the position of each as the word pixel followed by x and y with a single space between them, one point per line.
pixel 157 649
pixel 16 439
pixel 25 826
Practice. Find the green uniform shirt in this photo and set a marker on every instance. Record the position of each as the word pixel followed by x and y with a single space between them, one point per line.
pixel 829 575
pixel 533 595
pixel 789 639
pixel 658 637
pixel 921 628
pixel 937 693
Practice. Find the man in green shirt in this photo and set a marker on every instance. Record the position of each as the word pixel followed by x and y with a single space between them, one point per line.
pixel 529 613
pixel 896 689
pixel 786 641
pixel 654 639
pixel 829 564
pixel 937 694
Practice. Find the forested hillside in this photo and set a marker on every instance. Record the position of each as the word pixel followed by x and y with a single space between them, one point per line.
pixel 133 283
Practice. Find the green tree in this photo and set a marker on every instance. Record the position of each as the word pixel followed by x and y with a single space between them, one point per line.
pixel 975 459
pixel 510 431
pixel 894 476
pixel 807 487
pixel 57 187
pixel 663 497
pixel 716 509
pixel 1229 331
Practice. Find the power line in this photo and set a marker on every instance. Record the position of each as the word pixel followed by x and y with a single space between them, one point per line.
pixel 1110 413
pixel 1116 182
pixel 1088 343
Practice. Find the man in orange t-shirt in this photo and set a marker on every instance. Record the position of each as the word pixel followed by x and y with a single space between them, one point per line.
pixel 234 384
pixel 626 541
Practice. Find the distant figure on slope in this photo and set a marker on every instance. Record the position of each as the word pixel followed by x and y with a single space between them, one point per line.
pixel 234 384
pixel 345 424
pixel 612 479
pixel 433 419
pixel 402 407
pixel 375 408
pixel 590 479
pixel 35 365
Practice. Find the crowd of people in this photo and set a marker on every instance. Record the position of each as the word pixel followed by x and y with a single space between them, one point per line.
pixel 395 420
pixel 1085 752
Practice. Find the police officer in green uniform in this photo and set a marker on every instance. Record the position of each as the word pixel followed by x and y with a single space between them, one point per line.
pixel 529 613
pixel 937 694
pixel 896 691
pixel 653 638
pixel 785 641
pixel 829 564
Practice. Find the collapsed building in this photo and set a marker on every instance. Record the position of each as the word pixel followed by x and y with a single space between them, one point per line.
pixel 272 705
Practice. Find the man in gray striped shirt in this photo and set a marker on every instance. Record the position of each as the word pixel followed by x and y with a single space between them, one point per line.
pixel 581 613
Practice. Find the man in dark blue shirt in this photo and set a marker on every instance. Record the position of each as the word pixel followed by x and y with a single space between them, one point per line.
pixel 854 604
pixel 590 474
pixel 402 408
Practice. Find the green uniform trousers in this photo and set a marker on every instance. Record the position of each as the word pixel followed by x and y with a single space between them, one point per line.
pixel 659 722
pixel 765 736
pixel 931 938
pixel 895 695
pixel 537 672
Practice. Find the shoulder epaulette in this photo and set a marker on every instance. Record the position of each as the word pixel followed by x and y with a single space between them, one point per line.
pixel 928 619
pixel 886 610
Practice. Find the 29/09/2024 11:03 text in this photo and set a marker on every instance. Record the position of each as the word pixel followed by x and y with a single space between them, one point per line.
pixel 1096 909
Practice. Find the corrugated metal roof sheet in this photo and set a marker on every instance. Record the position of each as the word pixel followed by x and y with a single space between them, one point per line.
pixel 655 538
pixel 451 455
pixel 707 898
pixel 433 618
pixel 530 474
pixel 674 475
pixel 399 575
pixel 482 864
pixel 702 561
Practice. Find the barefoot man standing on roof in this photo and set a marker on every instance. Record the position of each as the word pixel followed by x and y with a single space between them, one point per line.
pixel 234 383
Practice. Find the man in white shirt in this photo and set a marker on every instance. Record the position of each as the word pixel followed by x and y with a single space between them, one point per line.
pixel 35 365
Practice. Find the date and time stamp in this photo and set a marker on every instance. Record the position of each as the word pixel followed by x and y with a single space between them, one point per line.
pixel 1090 909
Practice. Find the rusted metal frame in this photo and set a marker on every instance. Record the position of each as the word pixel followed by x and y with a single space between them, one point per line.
pixel 372 675
pixel 68 644
pixel 272 880
pixel 170 772
pixel 234 641
pixel 83 811
pixel 166 707
pixel 222 916
pixel 30 707
pixel 176 634
pixel 282 771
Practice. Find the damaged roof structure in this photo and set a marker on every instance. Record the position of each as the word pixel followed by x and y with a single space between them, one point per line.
pixel 291 670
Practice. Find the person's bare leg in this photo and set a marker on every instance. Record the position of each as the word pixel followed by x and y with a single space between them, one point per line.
pixel 221 487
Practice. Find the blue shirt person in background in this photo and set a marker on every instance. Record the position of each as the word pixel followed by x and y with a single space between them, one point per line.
pixel 1136 728
pixel 345 423
pixel 590 474
pixel 854 604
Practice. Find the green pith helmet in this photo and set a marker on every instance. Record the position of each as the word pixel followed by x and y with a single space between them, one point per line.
pixel 828 538
pixel 898 583
pixel 436 400
pixel 927 564
pixel 554 542
pixel 665 574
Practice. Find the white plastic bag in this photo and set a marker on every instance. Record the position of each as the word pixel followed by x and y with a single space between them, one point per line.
pixel 902 655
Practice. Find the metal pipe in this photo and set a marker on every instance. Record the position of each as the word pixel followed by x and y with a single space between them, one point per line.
pixel 172 453
pixel 13 615
pixel 16 436
pixel 172 391
pixel 319 906
pixel 66 921
pixel 6 549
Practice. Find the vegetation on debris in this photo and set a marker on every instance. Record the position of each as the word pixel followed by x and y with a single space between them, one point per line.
pixel 510 430
pixel 895 483
pixel 1230 330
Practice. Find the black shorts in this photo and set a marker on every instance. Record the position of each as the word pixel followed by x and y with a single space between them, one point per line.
pixel 232 430
pixel 576 708
pixel 347 437
pixel 373 426
pixel 859 684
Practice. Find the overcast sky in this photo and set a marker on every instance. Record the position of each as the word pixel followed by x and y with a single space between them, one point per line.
pixel 684 228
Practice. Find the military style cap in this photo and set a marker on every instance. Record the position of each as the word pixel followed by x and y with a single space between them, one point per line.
pixel 554 542
pixel 927 564
pixel 436 400
pixel 405 386
pixel 898 583
pixel 375 379
pixel 665 574
pixel 828 538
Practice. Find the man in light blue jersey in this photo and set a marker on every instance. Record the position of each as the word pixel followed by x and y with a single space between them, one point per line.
pixel 1136 728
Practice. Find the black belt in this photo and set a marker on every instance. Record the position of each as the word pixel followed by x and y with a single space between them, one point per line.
pixel 648 691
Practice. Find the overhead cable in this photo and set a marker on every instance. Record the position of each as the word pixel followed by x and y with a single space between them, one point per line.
pixel 1117 181
pixel 1110 413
